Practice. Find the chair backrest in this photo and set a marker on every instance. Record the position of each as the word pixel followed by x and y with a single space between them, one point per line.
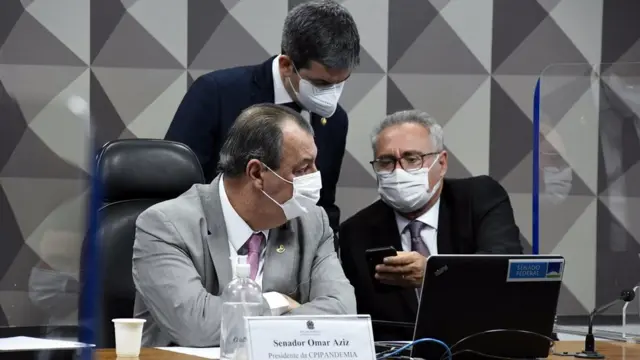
pixel 135 174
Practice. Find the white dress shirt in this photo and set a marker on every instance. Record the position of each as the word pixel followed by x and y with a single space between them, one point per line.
pixel 238 233
pixel 428 233
pixel 280 94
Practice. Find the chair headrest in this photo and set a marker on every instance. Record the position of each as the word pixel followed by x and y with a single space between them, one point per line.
pixel 147 169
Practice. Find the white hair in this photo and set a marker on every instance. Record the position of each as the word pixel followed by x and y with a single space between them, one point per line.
pixel 412 117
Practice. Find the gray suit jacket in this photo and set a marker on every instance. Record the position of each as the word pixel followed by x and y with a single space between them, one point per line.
pixel 181 265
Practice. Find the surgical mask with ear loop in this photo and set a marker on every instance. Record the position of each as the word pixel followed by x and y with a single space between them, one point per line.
pixel 319 100
pixel 306 194
pixel 407 191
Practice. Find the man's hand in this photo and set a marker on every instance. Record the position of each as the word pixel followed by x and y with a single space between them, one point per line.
pixel 292 303
pixel 405 269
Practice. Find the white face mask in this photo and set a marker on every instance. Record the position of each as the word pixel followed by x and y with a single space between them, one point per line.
pixel 319 100
pixel 557 184
pixel 306 194
pixel 407 191
pixel 49 290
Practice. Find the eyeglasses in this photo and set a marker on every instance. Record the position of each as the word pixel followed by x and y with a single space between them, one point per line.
pixel 409 162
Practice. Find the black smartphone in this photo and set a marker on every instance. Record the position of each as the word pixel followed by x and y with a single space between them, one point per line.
pixel 376 256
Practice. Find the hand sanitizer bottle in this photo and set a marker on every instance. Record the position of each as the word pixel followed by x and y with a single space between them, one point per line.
pixel 242 297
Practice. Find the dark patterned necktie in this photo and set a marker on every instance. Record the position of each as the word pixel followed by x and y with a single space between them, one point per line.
pixel 417 243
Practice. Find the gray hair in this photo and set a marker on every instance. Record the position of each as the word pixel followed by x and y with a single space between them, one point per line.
pixel 411 117
pixel 257 134
pixel 323 31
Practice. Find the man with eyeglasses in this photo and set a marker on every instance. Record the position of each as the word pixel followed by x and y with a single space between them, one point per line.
pixel 420 213
pixel 320 47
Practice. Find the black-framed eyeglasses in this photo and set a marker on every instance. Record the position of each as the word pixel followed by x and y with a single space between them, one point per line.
pixel 408 162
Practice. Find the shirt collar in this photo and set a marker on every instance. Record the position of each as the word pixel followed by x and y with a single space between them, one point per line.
pixel 280 94
pixel 430 218
pixel 238 231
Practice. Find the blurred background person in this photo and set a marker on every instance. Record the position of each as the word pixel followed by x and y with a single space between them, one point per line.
pixel 619 131
pixel 556 175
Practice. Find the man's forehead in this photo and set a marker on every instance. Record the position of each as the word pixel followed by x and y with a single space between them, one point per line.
pixel 404 132
pixel 320 72
pixel 404 138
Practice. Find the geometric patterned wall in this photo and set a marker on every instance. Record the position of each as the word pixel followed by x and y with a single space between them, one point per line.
pixel 472 64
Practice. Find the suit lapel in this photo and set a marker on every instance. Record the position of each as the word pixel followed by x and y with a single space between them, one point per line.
pixel 319 134
pixel 316 122
pixel 281 260
pixel 387 232
pixel 444 227
pixel 262 89
pixel 217 238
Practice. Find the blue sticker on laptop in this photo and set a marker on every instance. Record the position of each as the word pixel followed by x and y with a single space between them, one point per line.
pixel 535 270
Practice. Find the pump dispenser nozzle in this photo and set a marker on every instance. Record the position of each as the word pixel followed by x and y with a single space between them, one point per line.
pixel 242 267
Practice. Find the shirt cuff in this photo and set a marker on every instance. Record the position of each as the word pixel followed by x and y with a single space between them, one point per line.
pixel 278 304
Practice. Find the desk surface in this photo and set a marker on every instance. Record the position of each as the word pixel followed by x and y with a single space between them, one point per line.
pixel 612 350
pixel 147 354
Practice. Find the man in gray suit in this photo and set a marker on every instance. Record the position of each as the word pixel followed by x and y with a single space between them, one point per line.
pixel 263 205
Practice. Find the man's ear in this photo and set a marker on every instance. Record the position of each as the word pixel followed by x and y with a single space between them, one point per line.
pixel 286 65
pixel 444 163
pixel 254 171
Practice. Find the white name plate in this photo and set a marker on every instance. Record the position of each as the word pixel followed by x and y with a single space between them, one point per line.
pixel 347 337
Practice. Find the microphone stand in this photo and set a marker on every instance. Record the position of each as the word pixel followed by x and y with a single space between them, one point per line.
pixel 624 315
pixel 589 351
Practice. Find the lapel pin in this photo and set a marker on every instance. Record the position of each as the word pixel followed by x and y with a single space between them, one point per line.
pixel 323 121
pixel 280 249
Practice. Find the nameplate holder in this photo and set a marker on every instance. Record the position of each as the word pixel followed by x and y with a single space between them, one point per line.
pixel 348 337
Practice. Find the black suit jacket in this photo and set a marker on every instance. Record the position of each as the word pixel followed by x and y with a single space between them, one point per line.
pixel 475 217
pixel 215 100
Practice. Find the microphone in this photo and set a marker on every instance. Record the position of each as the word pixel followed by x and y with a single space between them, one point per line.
pixel 589 351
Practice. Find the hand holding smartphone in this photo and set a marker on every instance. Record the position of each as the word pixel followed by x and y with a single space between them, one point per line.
pixel 375 257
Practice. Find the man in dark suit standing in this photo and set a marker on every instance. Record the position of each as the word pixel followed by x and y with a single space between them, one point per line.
pixel 320 47
pixel 420 213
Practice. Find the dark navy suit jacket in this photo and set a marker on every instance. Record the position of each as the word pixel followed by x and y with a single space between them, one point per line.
pixel 215 100
pixel 475 217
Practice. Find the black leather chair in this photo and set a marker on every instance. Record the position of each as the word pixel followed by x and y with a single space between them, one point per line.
pixel 136 174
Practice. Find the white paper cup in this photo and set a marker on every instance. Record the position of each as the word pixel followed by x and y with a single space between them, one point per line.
pixel 128 336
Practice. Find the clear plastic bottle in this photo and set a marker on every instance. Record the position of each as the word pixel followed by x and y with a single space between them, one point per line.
pixel 242 297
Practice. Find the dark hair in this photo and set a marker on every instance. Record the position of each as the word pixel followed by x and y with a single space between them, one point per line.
pixel 322 31
pixel 257 134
